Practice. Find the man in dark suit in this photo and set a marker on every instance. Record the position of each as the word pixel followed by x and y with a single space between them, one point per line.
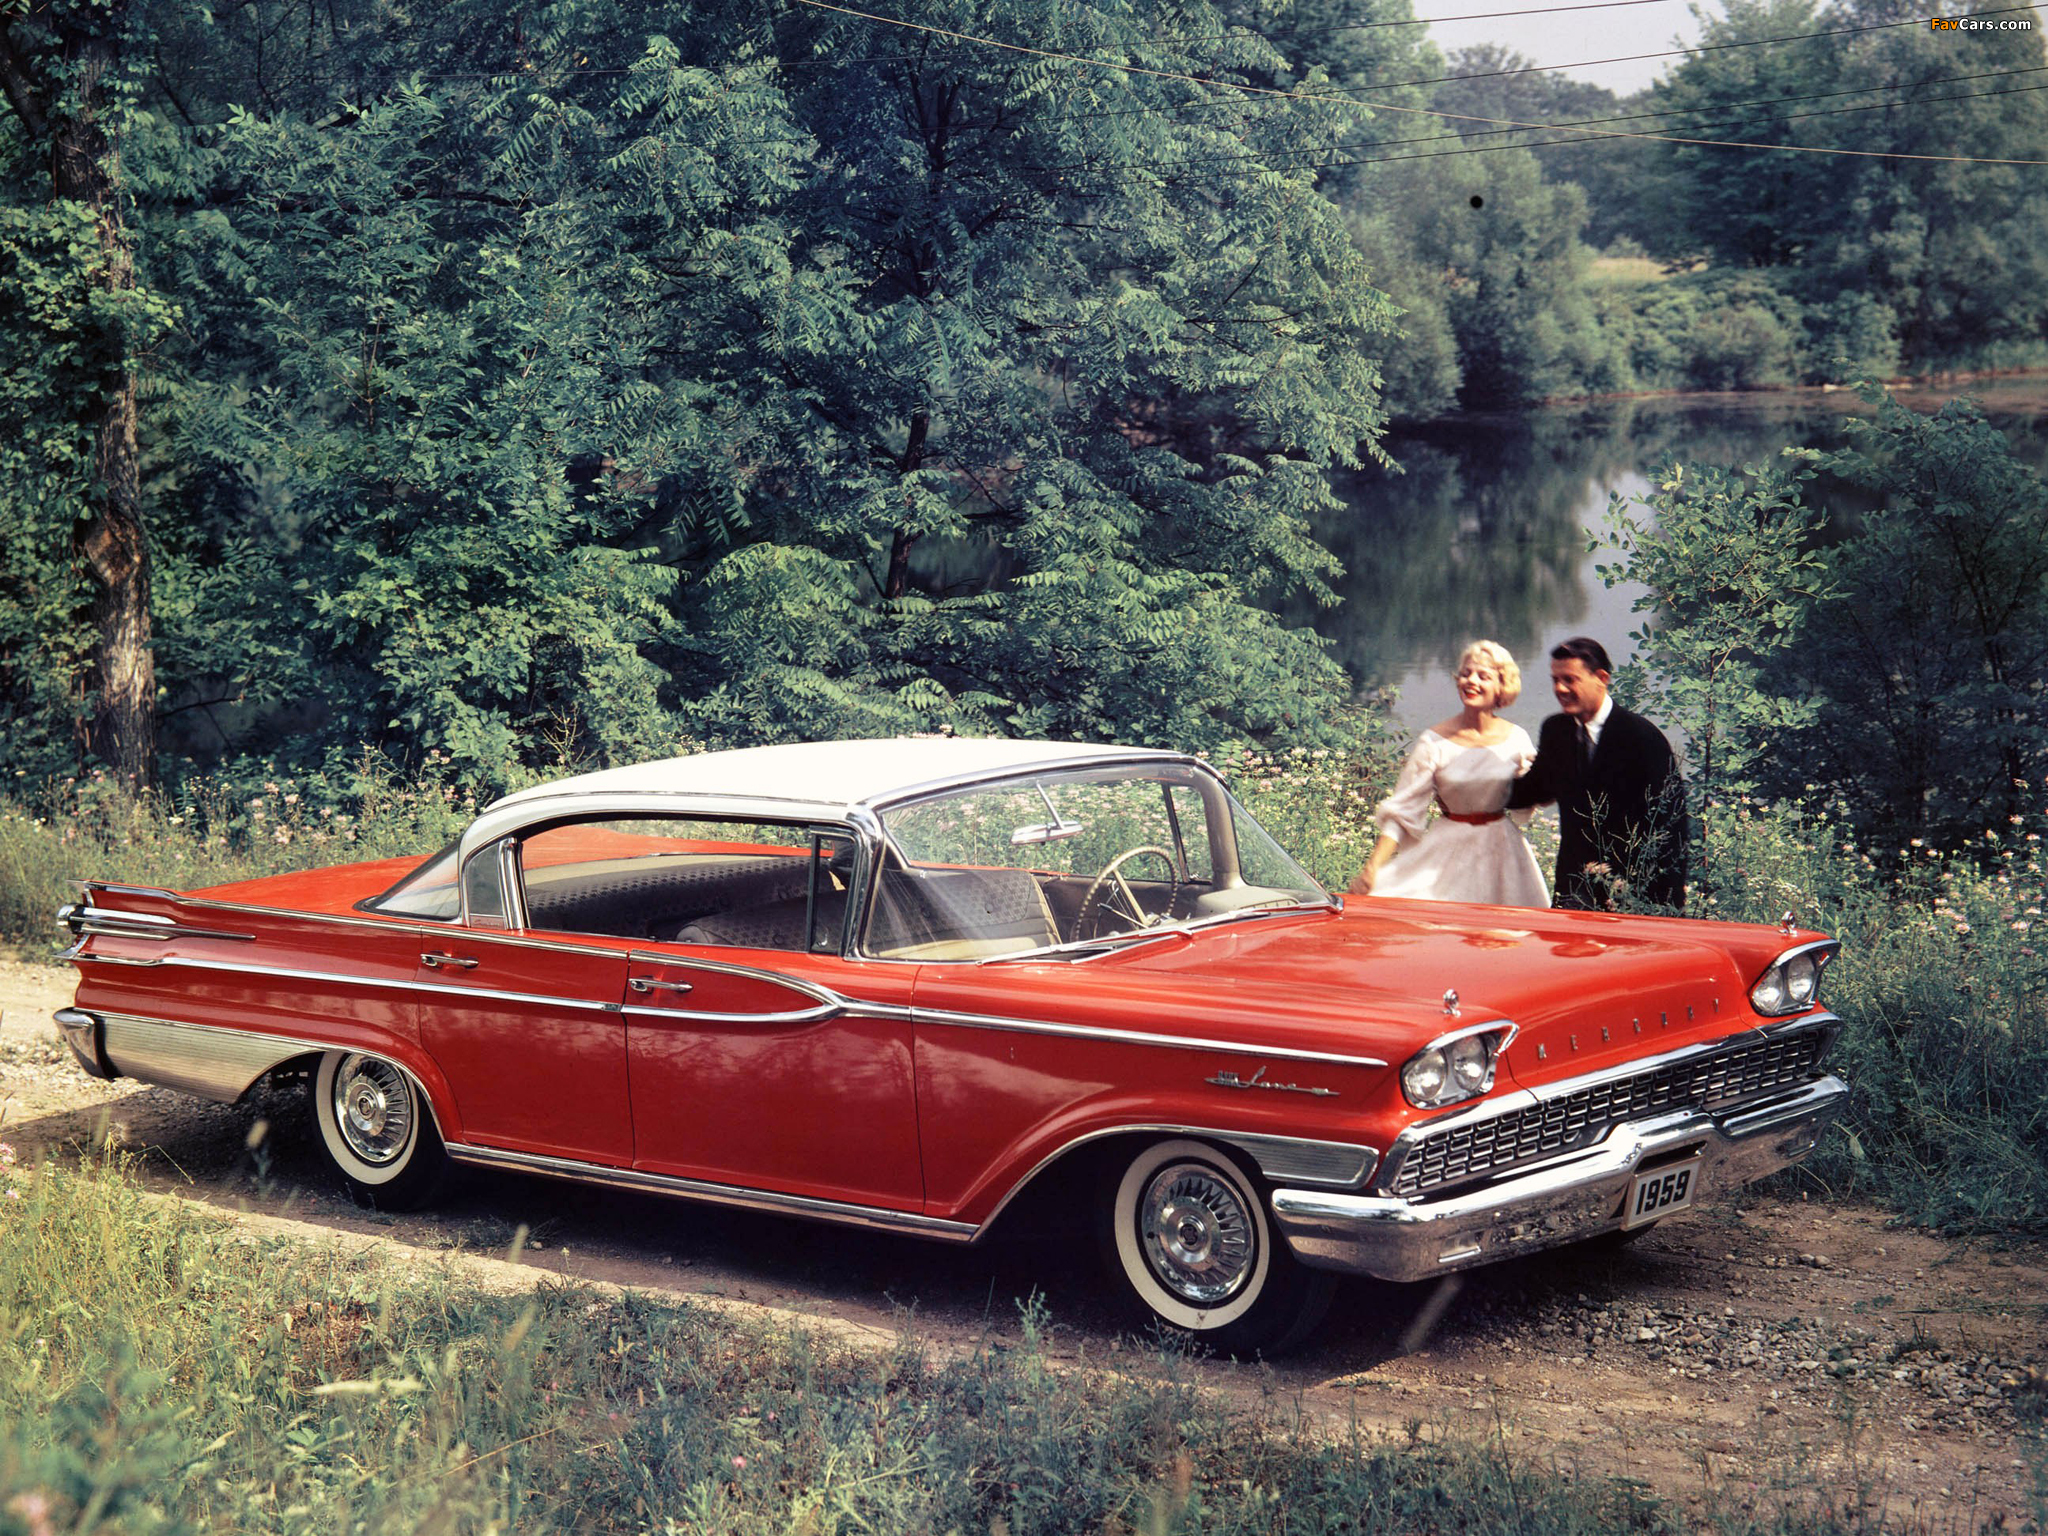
pixel 1620 800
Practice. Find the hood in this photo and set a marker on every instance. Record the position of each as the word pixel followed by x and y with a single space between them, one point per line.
pixel 1583 989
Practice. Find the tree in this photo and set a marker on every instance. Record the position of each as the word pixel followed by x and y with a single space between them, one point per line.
pixel 1733 576
pixel 76 323
pixel 558 384
pixel 1948 251
pixel 1934 660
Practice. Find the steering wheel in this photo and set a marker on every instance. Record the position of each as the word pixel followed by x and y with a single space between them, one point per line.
pixel 1110 893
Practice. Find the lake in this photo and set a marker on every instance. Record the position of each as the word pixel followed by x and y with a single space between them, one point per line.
pixel 1484 531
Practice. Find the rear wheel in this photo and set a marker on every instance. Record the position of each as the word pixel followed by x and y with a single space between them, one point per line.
pixel 1187 1233
pixel 377 1130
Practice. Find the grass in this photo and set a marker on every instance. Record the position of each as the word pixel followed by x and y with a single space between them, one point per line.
pixel 1625 272
pixel 161 1372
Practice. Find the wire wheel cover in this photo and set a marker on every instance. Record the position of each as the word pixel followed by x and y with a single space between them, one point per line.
pixel 373 1108
pixel 1197 1236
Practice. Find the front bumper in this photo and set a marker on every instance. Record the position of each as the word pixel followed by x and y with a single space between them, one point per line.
pixel 1578 1196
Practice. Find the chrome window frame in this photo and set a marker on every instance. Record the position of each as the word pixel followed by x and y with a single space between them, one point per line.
pixel 510 841
pixel 1215 791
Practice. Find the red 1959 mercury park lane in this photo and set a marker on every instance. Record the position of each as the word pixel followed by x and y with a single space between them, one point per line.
pixel 894 982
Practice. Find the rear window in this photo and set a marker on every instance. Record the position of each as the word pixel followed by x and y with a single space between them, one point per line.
pixel 428 892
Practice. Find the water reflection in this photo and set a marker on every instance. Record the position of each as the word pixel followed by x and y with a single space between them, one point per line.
pixel 1483 530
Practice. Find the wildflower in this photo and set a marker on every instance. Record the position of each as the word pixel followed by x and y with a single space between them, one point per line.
pixel 291 799
pixel 13 1193
pixel 35 1512
pixel 1916 842
pixel 739 1462
pixel 269 788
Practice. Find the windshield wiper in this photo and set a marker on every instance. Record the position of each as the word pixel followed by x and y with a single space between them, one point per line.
pixel 1085 949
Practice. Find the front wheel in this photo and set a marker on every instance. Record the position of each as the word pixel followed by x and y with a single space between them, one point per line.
pixel 377 1130
pixel 1187 1233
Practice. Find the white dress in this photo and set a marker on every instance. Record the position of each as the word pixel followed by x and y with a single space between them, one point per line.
pixel 1449 860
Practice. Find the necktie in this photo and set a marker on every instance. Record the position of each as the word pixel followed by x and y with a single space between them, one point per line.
pixel 1585 740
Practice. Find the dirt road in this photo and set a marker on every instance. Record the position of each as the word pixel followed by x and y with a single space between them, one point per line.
pixel 1774 1345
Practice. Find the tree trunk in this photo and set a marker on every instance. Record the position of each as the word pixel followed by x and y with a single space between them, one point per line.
pixel 108 538
pixel 898 580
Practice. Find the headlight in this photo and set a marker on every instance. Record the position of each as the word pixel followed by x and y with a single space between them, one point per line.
pixel 1454 1068
pixel 1792 981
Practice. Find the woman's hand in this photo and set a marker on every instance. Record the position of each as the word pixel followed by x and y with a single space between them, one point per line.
pixel 1383 850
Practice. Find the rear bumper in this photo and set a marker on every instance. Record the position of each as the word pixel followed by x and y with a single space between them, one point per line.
pixel 1578 1196
pixel 86 1036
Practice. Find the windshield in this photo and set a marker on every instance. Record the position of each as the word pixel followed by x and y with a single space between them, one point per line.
pixel 1048 859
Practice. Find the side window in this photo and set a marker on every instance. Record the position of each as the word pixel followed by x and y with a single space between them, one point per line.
pixel 483 887
pixel 670 879
pixel 428 892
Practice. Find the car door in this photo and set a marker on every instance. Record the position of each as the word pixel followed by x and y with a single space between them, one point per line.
pixel 527 1027
pixel 763 1065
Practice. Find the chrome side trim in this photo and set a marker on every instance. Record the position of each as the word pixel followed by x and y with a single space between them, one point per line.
pixel 1132 1037
pixel 692 1016
pixel 388 983
pixel 1277 1157
pixel 1297 1160
pixel 203 1059
pixel 1529 1098
pixel 83 919
pixel 809 989
pixel 722 1194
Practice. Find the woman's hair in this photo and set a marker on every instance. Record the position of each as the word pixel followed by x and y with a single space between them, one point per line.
pixel 1496 656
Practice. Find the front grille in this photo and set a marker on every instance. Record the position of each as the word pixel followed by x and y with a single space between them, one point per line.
pixel 1564 1124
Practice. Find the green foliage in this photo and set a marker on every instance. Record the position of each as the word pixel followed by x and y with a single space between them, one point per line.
pixel 1733 579
pixel 584 378
pixel 1947 251
pixel 1894 657
pixel 1934 661
pixel 1943 992
pixel 1483 249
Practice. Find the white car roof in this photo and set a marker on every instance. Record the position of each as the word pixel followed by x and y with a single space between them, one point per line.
pixel 821 778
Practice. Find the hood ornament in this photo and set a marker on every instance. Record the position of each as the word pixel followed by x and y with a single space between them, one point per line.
pixel 1785 923
pixel 1450 1002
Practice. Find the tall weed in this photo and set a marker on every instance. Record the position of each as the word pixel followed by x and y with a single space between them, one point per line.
pixel 212 829
pixel 161 1372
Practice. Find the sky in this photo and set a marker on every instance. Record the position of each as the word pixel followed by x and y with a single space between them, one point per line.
pixel 1568 33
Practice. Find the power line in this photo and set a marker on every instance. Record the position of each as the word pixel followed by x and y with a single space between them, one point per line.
pixel 1312 96
pixel 1715 111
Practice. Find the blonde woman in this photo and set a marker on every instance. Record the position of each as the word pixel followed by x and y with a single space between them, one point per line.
pixel 1464 766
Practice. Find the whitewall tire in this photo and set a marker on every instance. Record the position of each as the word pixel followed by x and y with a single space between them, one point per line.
pixel 1189 1235
pixel 377 1129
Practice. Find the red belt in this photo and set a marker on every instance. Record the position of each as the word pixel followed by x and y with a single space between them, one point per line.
pixel 1478 820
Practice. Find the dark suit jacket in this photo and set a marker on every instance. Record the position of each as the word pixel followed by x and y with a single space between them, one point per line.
pixel 1628 812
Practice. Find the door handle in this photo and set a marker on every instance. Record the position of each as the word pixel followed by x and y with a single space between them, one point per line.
pixel 645 984
pixel 434 960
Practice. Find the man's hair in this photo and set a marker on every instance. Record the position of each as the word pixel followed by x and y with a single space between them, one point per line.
pixel 1583 648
